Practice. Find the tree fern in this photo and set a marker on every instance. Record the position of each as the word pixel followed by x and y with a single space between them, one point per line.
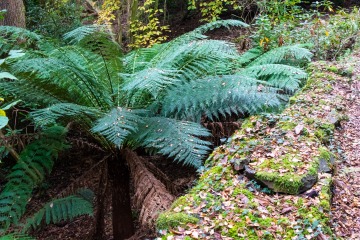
pixel 35 161
pixel 90 80
pixel 80 33
pixel 15 33
pixel 62 209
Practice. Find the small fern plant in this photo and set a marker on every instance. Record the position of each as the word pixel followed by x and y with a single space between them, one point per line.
pixel 62 209
pixel 35 162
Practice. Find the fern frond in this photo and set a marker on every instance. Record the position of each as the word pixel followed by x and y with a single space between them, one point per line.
pixel 218 95
pixel 180 140
pixel 218 24
pixel 51 114
pixel 82 75
pixel 80 33
pixel 15 33
pixel 16 237
pixel 140 58
pixel 63 209
pixel 117 125
pixel 249 56
pixel 35 161
pixel 181 63
pixel 277 75
pixel 149 79
pixel 284 54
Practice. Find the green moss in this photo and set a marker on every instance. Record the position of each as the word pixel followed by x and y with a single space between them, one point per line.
pixel 325 205
pixel 216 170
pixel 324 132
pixel 325 154
pixel 289 183
pixel 248 123
pixel 168 220
pixel 292 100
pixel 322 102
pixel 309 121
pixel 333 69
pixel 286 126
pixel 181 201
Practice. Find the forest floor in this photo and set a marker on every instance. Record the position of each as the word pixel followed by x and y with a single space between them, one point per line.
pixel 346 195
pixel 345 208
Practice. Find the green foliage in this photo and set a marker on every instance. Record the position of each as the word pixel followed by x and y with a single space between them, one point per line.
pixel 16 237
pixel 218 95
pixel 53 18
pixel 134 100
pixel 149 31
pixel 280 25
pixel 211 10
pixel 180 140
pixel 35 162
pixel 62 209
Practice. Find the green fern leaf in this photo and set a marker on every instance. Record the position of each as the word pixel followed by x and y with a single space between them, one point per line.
pixel 284 54
pixel 218 95
pixel 277 75
pixel 53 113
pixel 117 125
pixel 16 237
pixel 62 209
pixel 35 161
pixel 180 140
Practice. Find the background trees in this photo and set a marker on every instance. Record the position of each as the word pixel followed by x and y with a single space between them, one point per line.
pixel 15 13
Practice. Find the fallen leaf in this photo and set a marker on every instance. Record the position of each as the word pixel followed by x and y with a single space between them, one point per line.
pixel 286 210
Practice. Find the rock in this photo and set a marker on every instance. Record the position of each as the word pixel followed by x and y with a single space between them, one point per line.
pixel 249 173
pixel 324 166
pixel 239 164
pixel 308 181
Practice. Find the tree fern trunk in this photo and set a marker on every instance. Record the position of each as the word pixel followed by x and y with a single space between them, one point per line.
pixel 119 177
pixel 151 196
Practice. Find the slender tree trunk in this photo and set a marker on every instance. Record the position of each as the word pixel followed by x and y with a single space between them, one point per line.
pixel 119 177
pixel 15 13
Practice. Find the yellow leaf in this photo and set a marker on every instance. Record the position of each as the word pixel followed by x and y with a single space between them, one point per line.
pixel 2 113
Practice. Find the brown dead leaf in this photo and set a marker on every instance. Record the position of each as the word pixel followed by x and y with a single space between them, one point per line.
pixel 286 210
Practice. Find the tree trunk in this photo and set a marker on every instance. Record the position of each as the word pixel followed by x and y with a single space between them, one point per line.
pixel 15 13
pixel 119 177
